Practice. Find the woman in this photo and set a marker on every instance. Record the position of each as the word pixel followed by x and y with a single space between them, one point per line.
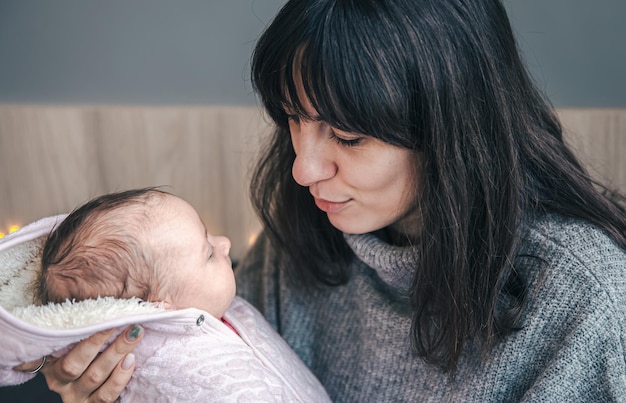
pixel 427 233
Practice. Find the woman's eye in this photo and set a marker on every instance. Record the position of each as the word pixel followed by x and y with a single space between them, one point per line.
pixel 348 142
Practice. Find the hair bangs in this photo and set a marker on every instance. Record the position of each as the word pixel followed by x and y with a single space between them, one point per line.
pixel 343 65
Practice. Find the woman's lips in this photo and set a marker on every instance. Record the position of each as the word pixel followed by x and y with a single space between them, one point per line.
pixel 330 207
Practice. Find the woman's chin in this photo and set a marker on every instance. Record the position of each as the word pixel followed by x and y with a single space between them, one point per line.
pixel 351 226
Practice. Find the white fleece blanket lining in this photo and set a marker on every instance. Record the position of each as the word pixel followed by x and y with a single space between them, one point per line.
pixel 20 264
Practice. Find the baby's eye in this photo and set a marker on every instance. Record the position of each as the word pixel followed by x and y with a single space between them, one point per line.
pixel 344 140
pixel 210 252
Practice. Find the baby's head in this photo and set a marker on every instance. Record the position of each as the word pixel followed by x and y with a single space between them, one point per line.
pixel 141 243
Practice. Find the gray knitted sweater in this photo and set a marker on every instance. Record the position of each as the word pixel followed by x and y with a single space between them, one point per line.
pixel 356 337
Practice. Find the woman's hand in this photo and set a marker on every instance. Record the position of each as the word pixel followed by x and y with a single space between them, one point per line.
pixel 84 375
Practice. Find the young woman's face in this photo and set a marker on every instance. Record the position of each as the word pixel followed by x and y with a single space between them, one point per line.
pixel 360 182
pixel 201 275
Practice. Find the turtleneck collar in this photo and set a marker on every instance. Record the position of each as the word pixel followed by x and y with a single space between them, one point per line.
pixel 394 265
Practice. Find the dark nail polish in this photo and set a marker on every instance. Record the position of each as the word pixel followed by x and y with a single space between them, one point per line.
pixel 133 333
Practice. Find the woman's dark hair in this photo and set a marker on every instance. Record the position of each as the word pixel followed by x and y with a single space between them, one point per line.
pixel 444 78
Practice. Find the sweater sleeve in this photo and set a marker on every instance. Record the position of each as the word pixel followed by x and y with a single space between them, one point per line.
pixel 588 365
pixel 577 326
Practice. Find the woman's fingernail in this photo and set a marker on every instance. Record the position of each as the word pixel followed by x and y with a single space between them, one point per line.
pixel 129 360
pixel 134 332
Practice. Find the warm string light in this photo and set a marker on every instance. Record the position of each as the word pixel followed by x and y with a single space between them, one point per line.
pixel 252 238
pixel 12 229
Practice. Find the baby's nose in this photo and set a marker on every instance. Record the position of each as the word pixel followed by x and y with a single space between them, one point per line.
pixel 224 244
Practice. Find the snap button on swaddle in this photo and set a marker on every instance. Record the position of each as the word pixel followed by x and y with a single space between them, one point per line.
pixel 200 320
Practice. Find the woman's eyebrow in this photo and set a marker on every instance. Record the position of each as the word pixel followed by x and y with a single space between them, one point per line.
pixel 315 118
pixel 290 111
pixel 306 117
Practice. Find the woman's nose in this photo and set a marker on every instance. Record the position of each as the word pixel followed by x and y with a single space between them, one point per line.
pixel 314 160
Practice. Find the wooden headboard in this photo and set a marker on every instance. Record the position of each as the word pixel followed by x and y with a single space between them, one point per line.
pixel 53 158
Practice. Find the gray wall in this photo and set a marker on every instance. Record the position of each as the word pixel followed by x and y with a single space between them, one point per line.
pixel 197 51
pixel 576 49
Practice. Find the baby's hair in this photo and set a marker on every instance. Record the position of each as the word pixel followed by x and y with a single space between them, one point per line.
pixel 99 249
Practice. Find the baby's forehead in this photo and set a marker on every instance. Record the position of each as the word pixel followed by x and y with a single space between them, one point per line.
pixel 165 207
pixel 174 217
pixel 168 200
